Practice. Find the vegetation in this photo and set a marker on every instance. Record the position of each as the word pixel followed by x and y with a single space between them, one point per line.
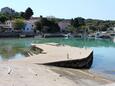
pixel 47 26
pixel 39 26
pixel 78 23
pixel 71 29
pixel 18 24
pixel 99 25
pixel 22 14
pixel 28 13
pixel 88 25
pixel 12 14
pixel 3 18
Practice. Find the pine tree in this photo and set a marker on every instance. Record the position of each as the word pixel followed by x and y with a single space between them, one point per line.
pixel 28 13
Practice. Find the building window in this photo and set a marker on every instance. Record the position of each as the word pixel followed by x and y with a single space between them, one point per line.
pixel 27 28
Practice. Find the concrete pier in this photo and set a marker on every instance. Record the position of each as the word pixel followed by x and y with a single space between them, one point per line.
pixel 64 56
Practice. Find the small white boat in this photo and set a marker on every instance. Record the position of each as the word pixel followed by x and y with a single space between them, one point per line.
pixel 22 35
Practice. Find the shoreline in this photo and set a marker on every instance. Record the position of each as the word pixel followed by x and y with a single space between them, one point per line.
pixel 26 70
pixel 74 77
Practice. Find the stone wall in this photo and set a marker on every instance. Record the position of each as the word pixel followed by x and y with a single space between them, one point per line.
pixel 16 34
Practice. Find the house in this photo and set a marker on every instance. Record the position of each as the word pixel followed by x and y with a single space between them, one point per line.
pixel 9 25
pixel 30 24
pixel 29 27
pixel 7 29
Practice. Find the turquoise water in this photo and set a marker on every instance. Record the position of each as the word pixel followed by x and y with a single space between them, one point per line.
pixel 104 50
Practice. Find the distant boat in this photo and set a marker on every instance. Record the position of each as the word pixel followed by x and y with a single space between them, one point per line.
pixel 22 35
pixel 104 36
pixel 67 36
pixel 100 35
pixel 112 34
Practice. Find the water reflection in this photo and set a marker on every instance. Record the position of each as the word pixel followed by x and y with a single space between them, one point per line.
pixel 13 48
pixel 9 52
pixel 114 39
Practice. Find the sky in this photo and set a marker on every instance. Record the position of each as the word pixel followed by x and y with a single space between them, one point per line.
pixel 96 9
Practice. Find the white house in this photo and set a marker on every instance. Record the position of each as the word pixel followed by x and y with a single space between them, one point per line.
pixel 9 24
pixel 28 27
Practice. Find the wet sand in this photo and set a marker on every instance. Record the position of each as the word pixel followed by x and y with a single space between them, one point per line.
pixel 82 77
pixel 29 74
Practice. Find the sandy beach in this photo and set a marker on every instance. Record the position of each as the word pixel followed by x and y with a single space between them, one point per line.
pixel 26 72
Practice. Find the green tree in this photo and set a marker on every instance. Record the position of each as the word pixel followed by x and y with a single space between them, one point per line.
pixel 3 18
pixel 38 26
pixel 71 29
pixel 77 22
pixel 45 25
pixel 28 13
pixel 18 24
pixel 22 14
pixel 53 26
pixel 16 15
